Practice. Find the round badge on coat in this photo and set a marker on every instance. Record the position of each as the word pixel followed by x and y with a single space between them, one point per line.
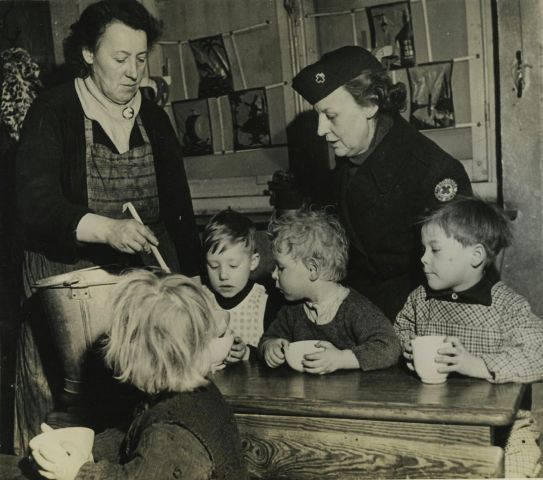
pixel 446 190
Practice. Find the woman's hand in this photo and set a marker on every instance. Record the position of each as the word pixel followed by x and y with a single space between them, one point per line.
pixel 130 236
pixel 274 351
pixel 127 236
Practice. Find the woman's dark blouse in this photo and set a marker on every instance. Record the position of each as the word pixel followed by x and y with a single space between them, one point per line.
pixel 52 185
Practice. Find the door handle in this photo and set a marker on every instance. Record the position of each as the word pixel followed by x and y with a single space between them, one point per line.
pixel 520 74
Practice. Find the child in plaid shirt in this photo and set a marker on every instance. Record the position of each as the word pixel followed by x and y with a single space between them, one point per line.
pixel 492 331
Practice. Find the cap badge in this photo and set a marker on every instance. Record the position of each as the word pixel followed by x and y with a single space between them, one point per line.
pixel 320 77
pixel 446 190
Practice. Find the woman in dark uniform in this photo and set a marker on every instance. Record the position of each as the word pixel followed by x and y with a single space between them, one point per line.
pixel 88 147
pixel 387 173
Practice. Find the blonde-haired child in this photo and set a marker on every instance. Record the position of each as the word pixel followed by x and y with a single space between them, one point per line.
pixel 161 341
pixel 492 331
pixel 310 249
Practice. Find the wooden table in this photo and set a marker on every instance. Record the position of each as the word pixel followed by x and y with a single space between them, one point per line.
pixel 353 424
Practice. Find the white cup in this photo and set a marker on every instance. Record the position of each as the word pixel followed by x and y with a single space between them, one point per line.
pixel 81 437
pixel 295 352
pixel 220 346
pixel 424 354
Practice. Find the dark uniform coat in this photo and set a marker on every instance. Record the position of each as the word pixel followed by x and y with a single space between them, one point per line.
pixel 406 176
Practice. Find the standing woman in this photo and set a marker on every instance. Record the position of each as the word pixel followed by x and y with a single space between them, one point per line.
pixel 88 147
pixel 387 173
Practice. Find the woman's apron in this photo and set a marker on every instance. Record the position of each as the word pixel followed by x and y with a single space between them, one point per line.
pixel 112 180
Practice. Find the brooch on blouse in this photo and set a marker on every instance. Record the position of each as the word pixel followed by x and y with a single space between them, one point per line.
pixel 128 113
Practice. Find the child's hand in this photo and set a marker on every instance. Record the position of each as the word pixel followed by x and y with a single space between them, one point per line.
pixel 274 351
pixel 408 352
pixel 237 352
pixel 328 360
pixel 60 462
pixel 457 359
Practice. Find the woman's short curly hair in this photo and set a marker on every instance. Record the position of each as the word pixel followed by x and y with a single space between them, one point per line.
pixel 312 235
pixel 87 31
pixel 376 88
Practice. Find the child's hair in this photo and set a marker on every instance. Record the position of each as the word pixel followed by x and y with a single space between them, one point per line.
pixel 312 234
pixel 471 220
pixel 160 333
pixel 228 228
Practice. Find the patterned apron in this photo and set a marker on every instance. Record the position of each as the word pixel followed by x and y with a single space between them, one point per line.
pixel 112 180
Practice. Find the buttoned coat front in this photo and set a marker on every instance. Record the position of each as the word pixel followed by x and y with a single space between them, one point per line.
pixel 381 204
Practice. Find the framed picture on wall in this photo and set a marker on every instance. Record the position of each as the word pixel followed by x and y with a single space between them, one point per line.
pixel 391 32
pixel 431 95
pixel 213 66
pixel 250 119
pixel 193 126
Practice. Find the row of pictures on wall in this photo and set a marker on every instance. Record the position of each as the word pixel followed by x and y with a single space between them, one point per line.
pixel 391 31
pixel 431 107
pixel 249 116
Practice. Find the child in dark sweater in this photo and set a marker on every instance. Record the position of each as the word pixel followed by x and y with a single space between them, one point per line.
pixel 310 250
pixel 163 341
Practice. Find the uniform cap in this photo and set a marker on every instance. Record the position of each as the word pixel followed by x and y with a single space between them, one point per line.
pixel 333 70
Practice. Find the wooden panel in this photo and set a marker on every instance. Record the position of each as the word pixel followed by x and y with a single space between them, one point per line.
pixel 248 204
pixel 238 164
pixel 441 433
pixel 304 448
pixel 229 187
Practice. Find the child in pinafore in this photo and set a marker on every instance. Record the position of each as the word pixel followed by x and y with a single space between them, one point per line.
pixel 310 251
pixel 492 331
pixel 162 342
pixel 230 244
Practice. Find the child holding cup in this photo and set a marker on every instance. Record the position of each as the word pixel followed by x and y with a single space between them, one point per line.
pixel 490 330
pixel 229 241
pixel 161 341
pixel 310 250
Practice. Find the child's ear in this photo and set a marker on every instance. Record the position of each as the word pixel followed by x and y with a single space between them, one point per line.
pixel 478 256
pixel 313 266
pixel 255 261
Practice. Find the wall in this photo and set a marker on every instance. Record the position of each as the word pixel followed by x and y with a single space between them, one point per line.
pixel 520 28
pixel 260 53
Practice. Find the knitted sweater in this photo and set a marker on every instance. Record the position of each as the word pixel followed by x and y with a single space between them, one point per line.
pixel 505 333
pixel 358 326
pixel 190 435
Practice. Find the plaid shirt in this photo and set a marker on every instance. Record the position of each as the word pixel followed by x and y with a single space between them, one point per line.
pixel 504 333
